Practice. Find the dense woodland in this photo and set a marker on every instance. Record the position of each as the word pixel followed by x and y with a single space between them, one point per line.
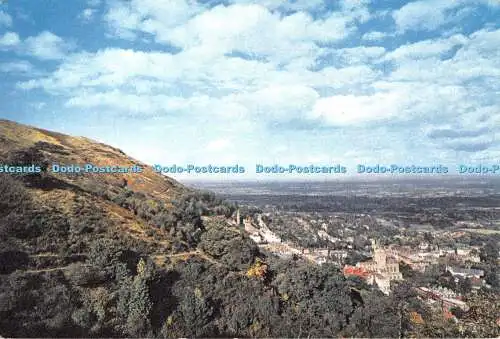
pixel 72 272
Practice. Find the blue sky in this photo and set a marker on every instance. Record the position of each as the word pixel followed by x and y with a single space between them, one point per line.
pixel 304 81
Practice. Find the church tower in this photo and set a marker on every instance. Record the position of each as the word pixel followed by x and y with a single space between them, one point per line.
pixel 379 255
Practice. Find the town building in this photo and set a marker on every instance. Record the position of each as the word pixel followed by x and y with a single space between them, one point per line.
pixel 380 270
pixel 465 272
pixel 384 263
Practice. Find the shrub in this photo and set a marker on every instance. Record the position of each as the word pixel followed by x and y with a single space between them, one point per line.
pixel 83 275
pixel 12 260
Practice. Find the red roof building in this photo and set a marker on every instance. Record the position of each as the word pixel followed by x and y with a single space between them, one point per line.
pixel 356 271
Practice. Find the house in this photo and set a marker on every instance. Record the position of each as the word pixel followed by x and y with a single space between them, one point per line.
pixel 338 255
pixel 465 272
pixel 355 271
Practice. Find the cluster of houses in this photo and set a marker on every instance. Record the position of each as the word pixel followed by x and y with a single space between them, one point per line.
pixel 443 298
pixel 419 258
pixel 260 233
pixel 383 267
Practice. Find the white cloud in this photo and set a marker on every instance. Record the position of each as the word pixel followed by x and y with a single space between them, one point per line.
pixel 116 67
pixel 427 15
pixel 374 36
pixel 143 105
pixel 230 87
pixel 5 19
pixel 254 30
pixel 9 40
pixel 360 55
pixel 160 83
pixel 298 5
pixel 248 27
pixel 427 102
pixel 279 102
pixel 157 72
pixel 427 48
pixel 87 14
pixel 357 9
pixel 478 57
pixel 424 14
pixel 46 46
pixel 345 110
pixel 21 66
pixel 149 16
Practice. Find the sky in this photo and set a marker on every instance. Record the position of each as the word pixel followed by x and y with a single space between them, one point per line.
pixel 270 82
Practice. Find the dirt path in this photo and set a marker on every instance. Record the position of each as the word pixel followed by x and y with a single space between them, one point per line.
pixel 160 258
pixel 55 255
pixel 45 255
pixel 52 269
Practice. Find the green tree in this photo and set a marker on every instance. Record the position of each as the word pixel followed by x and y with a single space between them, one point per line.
pixel 464 286
pixel 139 303
pixel 489 252
pixel 376 318
pixel 196 312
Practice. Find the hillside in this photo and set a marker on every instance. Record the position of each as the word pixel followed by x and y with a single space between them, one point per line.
pixel 63 149
pixel 114 255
